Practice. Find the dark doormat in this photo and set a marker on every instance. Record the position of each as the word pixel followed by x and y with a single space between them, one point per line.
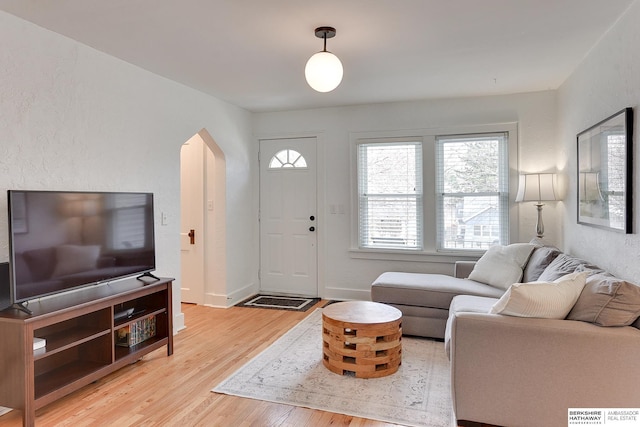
pixel 279 303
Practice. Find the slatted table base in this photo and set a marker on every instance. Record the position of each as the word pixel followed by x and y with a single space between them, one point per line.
pixel 365 350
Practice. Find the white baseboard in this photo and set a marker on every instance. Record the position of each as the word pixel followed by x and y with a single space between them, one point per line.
pixel 226 301
pixel 215 300
pixel 345 294
pixel 331 293
pixel 178 323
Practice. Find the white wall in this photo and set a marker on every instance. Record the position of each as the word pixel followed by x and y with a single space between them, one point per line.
pixel 216 294
pixel 341 275
pixel 74 118
pixel 607 81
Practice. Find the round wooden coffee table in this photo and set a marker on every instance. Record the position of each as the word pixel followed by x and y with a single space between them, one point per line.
pixel 362 338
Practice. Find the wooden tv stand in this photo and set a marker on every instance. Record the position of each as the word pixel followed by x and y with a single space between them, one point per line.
pixel 80 331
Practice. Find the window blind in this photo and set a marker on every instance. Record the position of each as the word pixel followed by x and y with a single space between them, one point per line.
pixel 472 189
pixel 390 196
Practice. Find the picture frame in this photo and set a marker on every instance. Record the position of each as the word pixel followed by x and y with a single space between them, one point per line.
pixel 605 173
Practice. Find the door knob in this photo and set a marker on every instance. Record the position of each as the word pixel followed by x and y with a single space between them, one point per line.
pixel 192 236
pixel 312 217
pixel 312 229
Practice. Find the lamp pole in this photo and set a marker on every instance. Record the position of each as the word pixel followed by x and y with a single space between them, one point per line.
pixel 539 223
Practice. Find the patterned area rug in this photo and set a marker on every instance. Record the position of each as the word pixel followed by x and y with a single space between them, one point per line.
pixel 280 303
pixel 290 371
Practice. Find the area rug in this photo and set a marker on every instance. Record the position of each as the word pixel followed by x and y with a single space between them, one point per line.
pixel 290 371
pixel 279 302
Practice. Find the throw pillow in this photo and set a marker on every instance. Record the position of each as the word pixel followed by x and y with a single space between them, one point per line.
pixel 538 262
pixel 71 259
pixel 563 265
pixel 607 301
pixel 548 300
pixel 501 266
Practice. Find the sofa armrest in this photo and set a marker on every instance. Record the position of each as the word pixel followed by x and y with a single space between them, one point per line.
pixel 462 269
pixel 529 372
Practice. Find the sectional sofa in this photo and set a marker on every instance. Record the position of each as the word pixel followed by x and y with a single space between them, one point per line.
pixel 531 332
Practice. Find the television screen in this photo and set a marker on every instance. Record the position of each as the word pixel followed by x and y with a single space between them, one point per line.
pixel 64 240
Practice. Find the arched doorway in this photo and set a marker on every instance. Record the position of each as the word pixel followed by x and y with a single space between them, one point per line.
pixel 203 221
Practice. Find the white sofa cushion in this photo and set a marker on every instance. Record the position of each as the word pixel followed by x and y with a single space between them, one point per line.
pixel 548 300
pixel 501 266
pixel 465 304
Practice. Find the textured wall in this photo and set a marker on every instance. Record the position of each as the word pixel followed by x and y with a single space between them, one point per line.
pixel 607 81
pixel 73 118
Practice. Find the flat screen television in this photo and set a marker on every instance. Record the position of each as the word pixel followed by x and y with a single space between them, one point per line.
pixel 63 240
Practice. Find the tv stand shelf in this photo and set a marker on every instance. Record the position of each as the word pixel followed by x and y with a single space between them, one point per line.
pixel 80 332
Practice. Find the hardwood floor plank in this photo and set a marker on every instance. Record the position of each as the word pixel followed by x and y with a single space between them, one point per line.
pixel 176 390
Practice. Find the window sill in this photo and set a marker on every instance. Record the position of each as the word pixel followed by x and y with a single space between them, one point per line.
pixel 446 257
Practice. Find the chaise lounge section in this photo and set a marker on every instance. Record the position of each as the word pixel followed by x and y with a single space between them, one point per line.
pixel 424 299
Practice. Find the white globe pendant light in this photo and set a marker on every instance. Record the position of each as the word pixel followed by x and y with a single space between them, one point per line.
pixel 324 70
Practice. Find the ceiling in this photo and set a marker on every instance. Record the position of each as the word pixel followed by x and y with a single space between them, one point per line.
pixel 252 53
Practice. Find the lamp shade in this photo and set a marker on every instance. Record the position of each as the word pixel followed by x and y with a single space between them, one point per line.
pixel 323 71
pixel 537 187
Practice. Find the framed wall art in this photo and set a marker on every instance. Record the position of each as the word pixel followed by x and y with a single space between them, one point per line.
pixel 605 173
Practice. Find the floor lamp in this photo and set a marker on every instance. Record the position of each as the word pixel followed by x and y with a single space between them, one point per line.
pixel 537 187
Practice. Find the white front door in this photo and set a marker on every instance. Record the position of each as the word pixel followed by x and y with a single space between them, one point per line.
pixel 288 217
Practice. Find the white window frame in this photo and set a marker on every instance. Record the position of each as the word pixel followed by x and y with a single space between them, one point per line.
pixel 364 233
pixel 430 251
pixel 501 193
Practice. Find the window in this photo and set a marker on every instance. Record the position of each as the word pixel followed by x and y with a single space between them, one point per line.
pixel 287 159
pixel 437 192
pixel 390 195
pixel 472 188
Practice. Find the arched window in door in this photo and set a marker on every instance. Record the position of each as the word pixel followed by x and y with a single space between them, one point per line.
pixel 287 159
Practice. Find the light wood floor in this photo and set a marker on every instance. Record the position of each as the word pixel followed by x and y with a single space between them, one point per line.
pixel 176 390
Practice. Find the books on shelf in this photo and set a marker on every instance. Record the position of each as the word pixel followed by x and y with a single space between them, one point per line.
pixel 39 343
pixel 136 332
pixel 39 346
